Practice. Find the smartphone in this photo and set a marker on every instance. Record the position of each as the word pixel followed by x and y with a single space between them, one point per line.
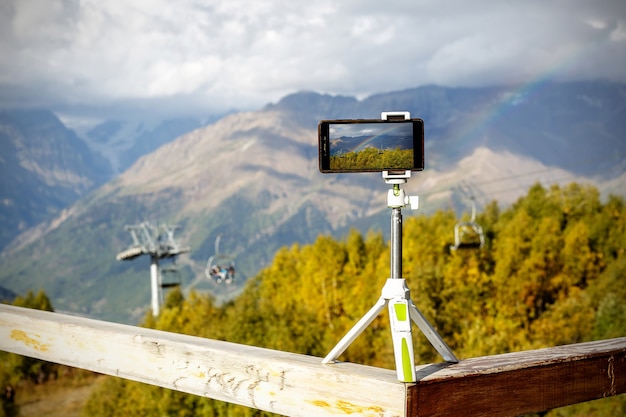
pixel 364 145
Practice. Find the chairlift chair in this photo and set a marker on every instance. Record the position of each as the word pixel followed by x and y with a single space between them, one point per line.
pixel 220 267
pixel 170 277
pixel 468 235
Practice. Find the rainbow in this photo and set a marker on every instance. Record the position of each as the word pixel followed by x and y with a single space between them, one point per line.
pixel 507 102
pixel 370 139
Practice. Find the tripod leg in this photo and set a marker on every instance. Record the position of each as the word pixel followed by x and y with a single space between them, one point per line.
pixel 402 340
pixel 356 330
pixel 431 334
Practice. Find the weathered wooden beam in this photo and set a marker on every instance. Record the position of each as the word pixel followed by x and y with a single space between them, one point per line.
pixel 299 385
pixel 279 382
pixel 523 382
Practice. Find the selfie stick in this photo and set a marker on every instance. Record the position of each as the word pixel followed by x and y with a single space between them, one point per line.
pixel 395 292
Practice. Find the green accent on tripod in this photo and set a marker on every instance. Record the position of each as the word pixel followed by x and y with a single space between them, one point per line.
pixel 401 311
pixel 406 362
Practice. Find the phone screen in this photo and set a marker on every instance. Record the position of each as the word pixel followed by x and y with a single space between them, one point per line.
pixel 371 145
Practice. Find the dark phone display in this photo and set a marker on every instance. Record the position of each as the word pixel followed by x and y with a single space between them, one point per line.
pixel 362 146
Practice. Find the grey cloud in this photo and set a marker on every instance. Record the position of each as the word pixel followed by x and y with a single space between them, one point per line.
pixel 242 53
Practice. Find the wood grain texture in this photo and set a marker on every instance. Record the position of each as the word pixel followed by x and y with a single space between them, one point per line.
pixel 299 385
pixel 279 382
pixel 522 382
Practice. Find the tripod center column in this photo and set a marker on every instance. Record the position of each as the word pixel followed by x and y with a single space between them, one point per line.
pixel 396 243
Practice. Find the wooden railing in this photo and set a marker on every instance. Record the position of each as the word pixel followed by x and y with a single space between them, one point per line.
pixel 300 385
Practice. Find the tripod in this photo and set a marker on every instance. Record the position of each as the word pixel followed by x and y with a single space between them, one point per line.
pixel 396 295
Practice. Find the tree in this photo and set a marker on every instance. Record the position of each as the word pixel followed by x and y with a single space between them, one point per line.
pixel 551 272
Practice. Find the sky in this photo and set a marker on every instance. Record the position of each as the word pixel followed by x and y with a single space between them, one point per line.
pixel 120 58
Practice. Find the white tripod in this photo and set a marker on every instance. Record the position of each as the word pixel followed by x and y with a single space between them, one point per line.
pixel 396 295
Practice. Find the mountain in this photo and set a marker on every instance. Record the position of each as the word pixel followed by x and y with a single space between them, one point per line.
pixel 45 167
pixel 122 142
pixel 252 178
pixel 49 165
pixel 6 296
pixel 558 124
pixel 346 144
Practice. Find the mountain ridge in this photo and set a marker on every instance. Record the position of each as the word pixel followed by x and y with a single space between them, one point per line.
pixel 460 117
pixel 252 177
pixel 45 167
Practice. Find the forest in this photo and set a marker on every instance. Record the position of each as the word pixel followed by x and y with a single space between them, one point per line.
pixel 551 272
pixel 373 159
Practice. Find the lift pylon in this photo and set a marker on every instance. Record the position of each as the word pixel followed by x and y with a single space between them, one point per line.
pixel 159 243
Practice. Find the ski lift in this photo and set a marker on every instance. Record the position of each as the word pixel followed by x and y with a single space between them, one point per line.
pixel 170 277
pixel 220 267
pixel 468 235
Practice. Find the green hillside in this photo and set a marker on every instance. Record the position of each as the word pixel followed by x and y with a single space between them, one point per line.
pixel 552 272
pixel 373 159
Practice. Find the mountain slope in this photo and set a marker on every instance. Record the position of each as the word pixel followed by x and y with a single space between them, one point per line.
pixel 253 178
pixel 576 126
pixel 45 167
pixel 123 142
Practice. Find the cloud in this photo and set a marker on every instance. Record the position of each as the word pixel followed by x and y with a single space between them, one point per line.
pixel 242 54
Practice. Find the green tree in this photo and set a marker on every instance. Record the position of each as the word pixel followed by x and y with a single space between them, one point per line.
pixel 39 301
